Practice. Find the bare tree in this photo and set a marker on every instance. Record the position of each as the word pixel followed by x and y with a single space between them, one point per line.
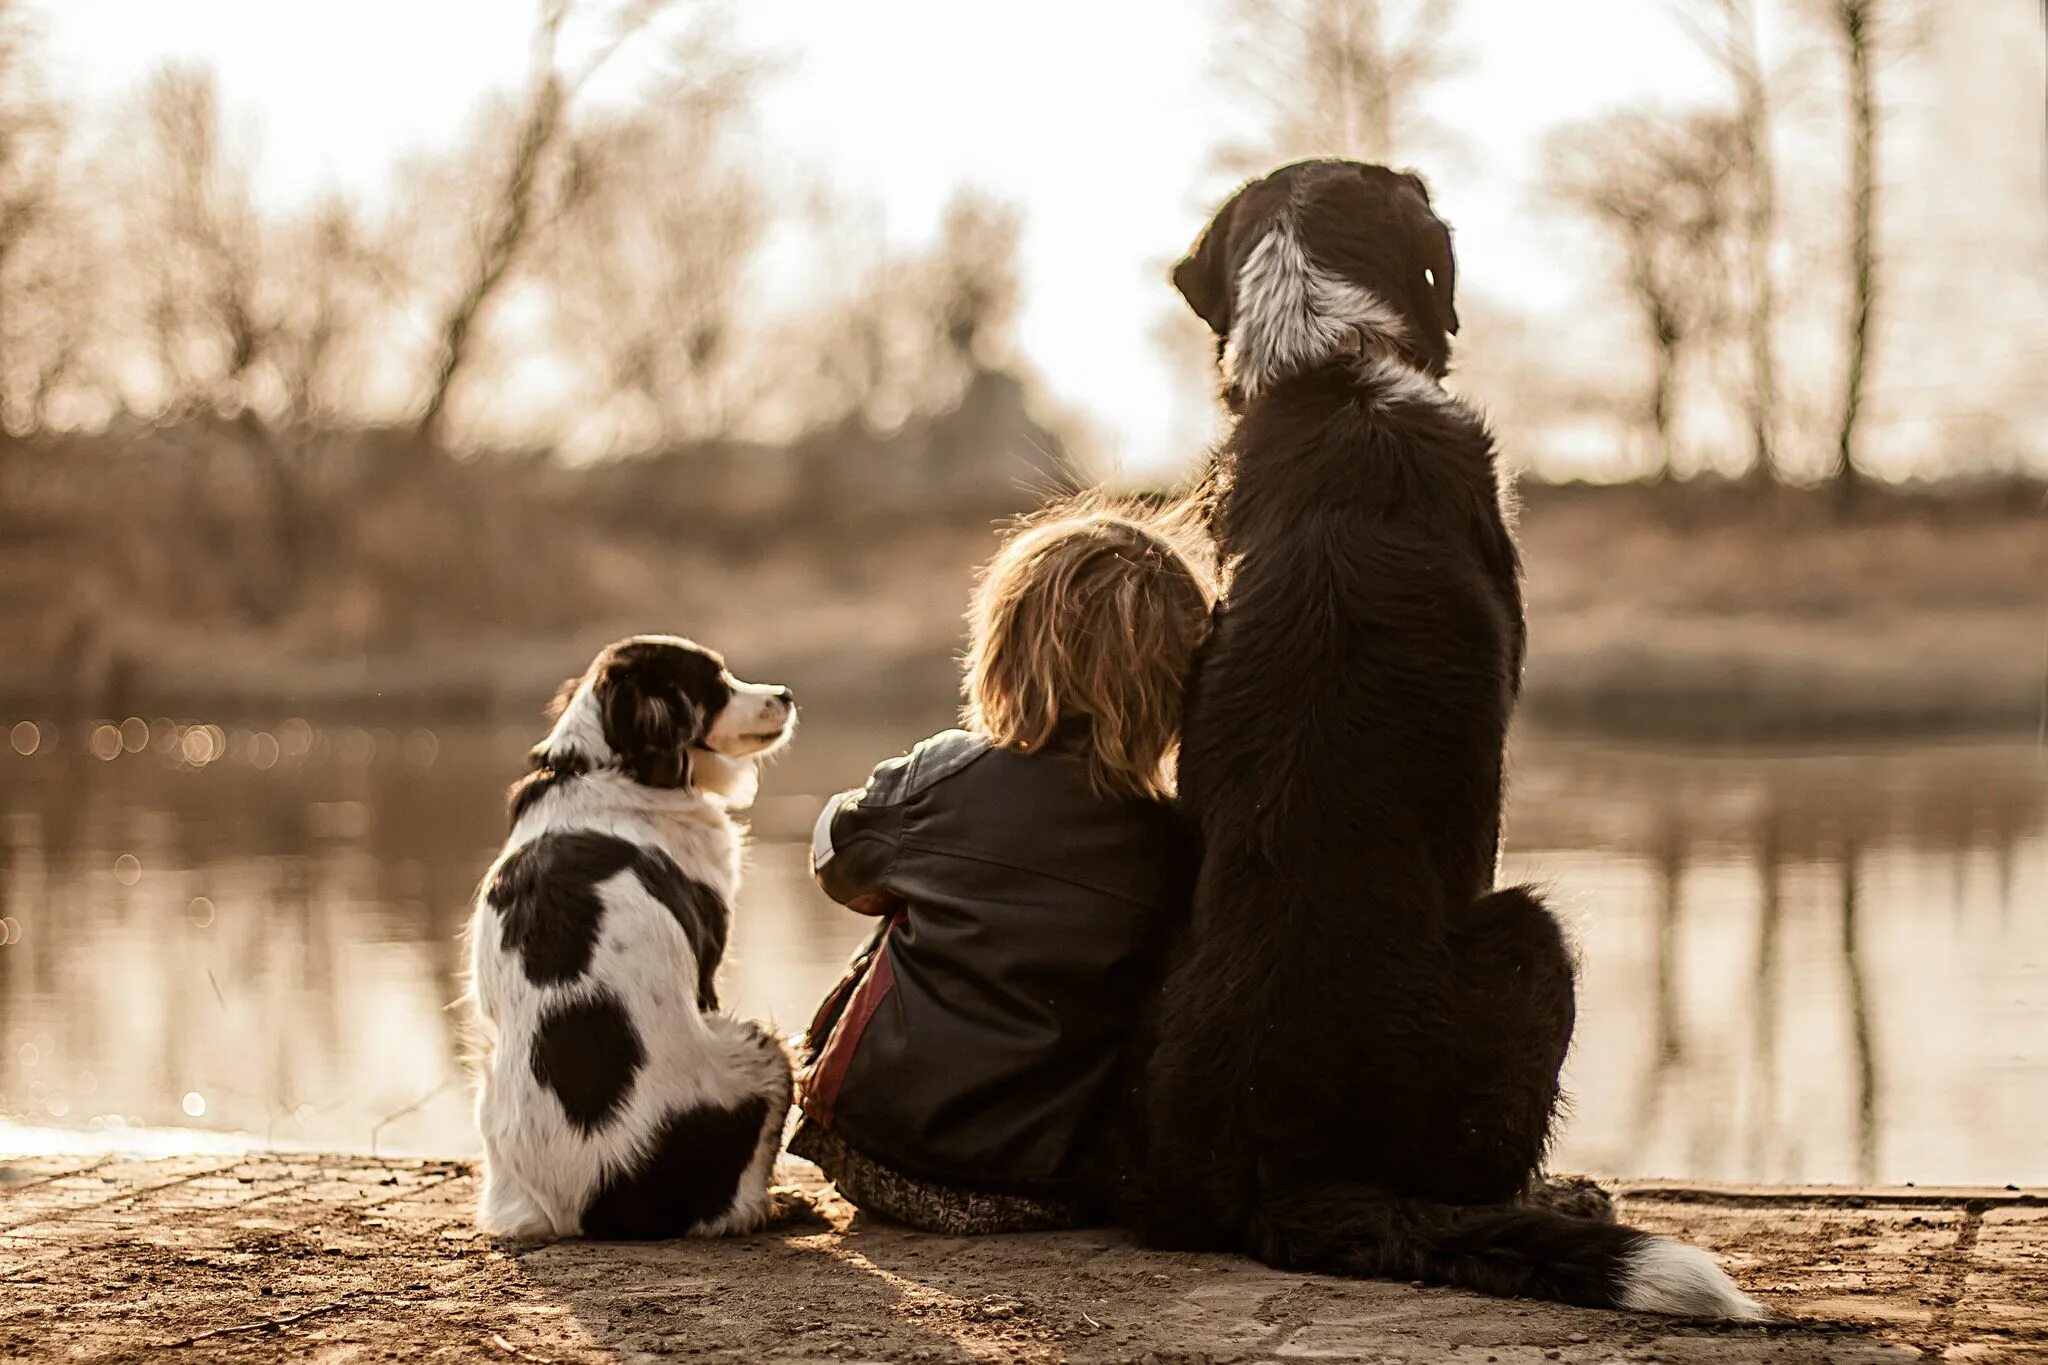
pixel 521 192
pixel 199 235
pixel 1857 25
pixel 1727 30
pixel 1336 77
pixel 263 318
pixel 916 328
pixel 48 312
pixel 647 260
pixel 334 282
pixel 43 308
pixel 972 280
pixel 1661 188
pixel 646 272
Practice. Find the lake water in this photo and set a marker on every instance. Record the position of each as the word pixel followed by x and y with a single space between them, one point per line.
pixel 1798 966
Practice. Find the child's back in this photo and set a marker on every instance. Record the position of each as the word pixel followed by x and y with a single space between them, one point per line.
pixel 1028 915
pixel 1031 869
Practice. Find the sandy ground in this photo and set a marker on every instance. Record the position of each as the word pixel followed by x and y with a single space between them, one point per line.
pixel 352 1258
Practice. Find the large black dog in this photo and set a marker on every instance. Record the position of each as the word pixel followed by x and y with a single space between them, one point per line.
pixel 1359 1044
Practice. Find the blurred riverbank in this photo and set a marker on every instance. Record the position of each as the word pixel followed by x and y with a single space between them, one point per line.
pixel 1702 611
pixel 434 588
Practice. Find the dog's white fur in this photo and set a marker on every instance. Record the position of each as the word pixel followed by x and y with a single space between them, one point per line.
pixel 540 1170
pixel 1291 314
pixel 1395 382
pixel 1663 1276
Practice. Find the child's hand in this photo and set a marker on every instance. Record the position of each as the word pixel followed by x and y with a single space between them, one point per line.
pixel 876 903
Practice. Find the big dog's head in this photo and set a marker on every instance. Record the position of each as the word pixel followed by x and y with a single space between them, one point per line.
pixel 1319 260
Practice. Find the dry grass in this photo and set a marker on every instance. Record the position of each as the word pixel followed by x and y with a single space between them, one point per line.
pixel 1713 549
pixel 1683 609
pixel 152 576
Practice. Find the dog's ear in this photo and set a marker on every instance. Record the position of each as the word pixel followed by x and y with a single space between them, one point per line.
pixel 1433 245
pixel 648 723
pixel 563 695
pixel 1204 277
pixel 1442 264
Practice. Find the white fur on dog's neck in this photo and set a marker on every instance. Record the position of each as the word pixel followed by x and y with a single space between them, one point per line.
pixel 733 781
pixel 579 730
pixel 1290 315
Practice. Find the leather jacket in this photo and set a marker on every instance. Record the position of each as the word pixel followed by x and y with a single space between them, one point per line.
pixel 978 1039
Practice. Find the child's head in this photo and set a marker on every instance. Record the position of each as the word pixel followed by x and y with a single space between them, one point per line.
pixel 1091 614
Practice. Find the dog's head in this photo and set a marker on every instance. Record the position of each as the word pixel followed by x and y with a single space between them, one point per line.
pixel 1319 260
pixel 666 712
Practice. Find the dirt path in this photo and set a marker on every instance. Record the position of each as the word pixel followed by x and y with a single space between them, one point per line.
pixel 351 1258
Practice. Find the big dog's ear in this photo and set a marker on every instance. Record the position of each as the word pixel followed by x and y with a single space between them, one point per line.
pixel 1443 270
pixel 648 722
pixel 1433 245
pixel 1204 276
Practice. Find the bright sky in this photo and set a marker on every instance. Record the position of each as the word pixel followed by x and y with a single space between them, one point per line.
pixel 1096 117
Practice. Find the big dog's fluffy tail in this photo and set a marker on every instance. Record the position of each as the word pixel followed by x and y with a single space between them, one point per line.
pixel 1507 1250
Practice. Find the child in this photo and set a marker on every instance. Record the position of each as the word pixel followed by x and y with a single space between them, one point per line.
pixel 1027 870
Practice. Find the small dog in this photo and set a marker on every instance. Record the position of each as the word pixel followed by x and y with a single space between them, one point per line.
pixel 616 1101
pixel 1359 1042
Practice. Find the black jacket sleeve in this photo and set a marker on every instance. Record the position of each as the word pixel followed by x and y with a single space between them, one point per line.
pixel 858 835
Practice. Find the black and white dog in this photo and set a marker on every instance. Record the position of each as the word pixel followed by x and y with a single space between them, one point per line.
pixel 616 1101
pixel 1359 1045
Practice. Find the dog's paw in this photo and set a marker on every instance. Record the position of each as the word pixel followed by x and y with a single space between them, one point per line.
pixel 1576 1195
pixel 791 1208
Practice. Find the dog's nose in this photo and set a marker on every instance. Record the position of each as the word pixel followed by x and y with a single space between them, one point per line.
pixel 786 697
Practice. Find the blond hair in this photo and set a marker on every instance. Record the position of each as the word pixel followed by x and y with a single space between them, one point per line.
pixel 1093 612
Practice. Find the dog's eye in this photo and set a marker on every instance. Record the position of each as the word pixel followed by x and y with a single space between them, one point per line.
pixel 1430 275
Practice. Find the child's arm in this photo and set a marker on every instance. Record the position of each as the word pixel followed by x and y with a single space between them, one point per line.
pixel 856 839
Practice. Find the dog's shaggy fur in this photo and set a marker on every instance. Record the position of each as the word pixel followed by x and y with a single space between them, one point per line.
pixel 615 1100
pixel 1358 1049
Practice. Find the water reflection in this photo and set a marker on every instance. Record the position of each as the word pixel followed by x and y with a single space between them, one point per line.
pixel 1802 966
pixel 1797 966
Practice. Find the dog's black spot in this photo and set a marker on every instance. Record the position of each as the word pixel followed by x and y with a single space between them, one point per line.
pixel 549 910
pixel 550 913
pixel 549 773
pixel 587 1054
pixel 697 908
pixel 691 1173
